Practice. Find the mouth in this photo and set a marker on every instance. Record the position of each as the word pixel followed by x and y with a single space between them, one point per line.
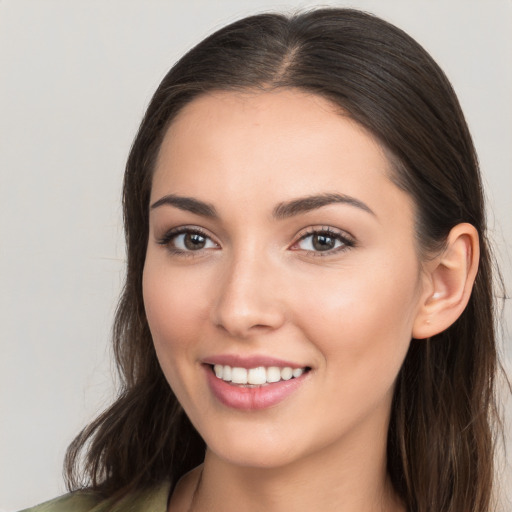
pixel 257 376
pixel 250 386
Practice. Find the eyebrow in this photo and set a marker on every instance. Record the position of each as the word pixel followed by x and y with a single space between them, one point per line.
pixel 188 204
pixel 308 203
pixel 281 211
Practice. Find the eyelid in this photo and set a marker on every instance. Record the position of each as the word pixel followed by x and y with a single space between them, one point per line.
pixel 172 233
pixel 348 241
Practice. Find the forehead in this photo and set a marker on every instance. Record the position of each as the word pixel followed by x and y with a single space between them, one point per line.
pixel 285 113
pixel 271 146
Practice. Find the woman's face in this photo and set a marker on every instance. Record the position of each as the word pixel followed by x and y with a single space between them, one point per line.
pixel 279 247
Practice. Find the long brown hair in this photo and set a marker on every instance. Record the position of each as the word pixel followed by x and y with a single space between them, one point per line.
pixel 440 441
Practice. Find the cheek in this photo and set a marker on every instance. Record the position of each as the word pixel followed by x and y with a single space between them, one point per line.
pixel 362 318
pixel 362 328
pixel 173 300
pixel 173 309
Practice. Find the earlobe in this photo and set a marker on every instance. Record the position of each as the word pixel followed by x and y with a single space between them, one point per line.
pixel 448 280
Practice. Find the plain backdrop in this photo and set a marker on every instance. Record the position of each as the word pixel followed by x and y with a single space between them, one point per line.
pixel 75 77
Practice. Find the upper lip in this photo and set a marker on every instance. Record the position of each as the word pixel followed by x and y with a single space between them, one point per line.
pixel 253 361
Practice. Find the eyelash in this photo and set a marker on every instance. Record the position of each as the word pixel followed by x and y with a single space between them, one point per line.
pixel 174 233
pixel 347 242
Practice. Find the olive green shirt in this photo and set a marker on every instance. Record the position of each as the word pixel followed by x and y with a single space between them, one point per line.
pixel 151 500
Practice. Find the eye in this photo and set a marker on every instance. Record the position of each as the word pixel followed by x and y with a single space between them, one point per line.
pixel 186 240
pixel 323 240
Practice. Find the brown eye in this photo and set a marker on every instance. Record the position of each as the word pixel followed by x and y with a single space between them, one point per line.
pixel 187 240
pixel 322 242
pixel 194 241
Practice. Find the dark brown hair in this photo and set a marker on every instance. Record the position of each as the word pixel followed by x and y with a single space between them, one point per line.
pixel 440 442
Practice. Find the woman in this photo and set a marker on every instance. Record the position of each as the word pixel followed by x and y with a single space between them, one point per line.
pixel 307 319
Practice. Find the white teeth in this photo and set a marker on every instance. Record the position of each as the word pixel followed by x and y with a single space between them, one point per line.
pixel 227 374
pixel 286 373
pixel 297 372
pixel 218 369
pixel 273 374
pixel 256 376
pixel 239 375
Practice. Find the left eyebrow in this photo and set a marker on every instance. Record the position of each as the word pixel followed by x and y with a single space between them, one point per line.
pixel 188 204
pixel 308 203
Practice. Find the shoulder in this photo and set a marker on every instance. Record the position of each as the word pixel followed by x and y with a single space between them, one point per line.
pixel 153 499
pixel 72 502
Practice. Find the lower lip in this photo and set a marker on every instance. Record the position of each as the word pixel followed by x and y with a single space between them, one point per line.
pixel 252 398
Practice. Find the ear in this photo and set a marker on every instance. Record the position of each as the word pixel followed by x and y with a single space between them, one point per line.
pixel 447 282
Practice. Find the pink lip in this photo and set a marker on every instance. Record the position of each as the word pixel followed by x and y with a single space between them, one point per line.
pixel 252 398
pixel 249 361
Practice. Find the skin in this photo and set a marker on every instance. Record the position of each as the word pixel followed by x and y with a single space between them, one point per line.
pixel 259 287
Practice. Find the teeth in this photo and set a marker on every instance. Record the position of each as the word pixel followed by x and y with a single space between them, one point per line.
pixel 218 369
pixel 238 375
pixel 256 376
pixel 273 374
pixel 226 373
pixel 286 373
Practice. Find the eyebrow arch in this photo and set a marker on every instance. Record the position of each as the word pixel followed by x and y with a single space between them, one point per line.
pixel 308 203
pixel 188 204
pixel 281 211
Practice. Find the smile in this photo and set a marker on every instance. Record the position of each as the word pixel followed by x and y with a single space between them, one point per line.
pixel 250 385
pixel 258 376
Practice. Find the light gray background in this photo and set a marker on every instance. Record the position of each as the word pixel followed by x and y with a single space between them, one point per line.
pixel 75 77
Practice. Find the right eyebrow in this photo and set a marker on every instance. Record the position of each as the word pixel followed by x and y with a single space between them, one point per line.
pixel 308 203
pixel 187 204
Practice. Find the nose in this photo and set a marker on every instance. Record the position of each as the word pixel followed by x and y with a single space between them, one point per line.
pixel 248 300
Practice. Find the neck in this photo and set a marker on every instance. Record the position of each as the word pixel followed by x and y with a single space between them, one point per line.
pixel 347 478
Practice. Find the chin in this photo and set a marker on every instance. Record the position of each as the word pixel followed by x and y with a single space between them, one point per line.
pixel 253 445
pixel 256 457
